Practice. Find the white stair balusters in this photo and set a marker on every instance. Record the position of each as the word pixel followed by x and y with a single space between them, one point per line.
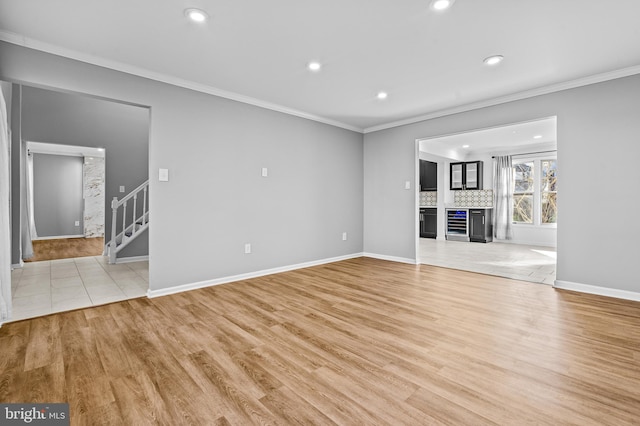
pixel 139 221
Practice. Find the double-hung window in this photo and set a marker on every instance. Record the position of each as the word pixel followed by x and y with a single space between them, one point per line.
pixel 535 191
pixel 523 192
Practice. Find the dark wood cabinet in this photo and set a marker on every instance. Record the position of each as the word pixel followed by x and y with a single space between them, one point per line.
pixel 480 225
pixel 428 222
pixel 428 176
pixel 465 175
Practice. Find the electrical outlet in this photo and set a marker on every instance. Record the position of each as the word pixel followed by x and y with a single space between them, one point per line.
pixel 344 236
pixel 247 248
pixel 77 223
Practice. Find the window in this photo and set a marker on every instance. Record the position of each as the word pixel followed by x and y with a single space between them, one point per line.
pixel 549 188
pixel 523 192
pixel 535 198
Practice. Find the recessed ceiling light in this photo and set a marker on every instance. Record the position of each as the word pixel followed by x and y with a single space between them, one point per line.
pixel 537 137
pixel 441 4
pixel 314 66
pixel 382 95
pixel 465 146
pixel 493 60
pixel 196 15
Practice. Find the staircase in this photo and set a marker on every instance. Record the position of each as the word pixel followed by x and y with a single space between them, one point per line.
pixel 131 224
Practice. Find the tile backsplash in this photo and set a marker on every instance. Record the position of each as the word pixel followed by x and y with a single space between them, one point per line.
pixel 429 199
pixel 471 198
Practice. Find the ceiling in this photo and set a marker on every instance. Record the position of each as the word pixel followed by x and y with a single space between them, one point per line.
pixel 530 136
pixel 430 63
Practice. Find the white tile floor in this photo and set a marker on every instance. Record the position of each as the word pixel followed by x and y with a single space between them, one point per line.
pixel 41 288
pixel 521 262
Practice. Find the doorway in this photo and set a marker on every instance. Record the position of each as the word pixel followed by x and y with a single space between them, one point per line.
pixel 78 121
pixel 65 200
pixel 530 253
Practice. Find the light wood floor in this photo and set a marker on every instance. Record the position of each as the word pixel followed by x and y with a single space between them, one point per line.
pixel 362 341
pixel 66 248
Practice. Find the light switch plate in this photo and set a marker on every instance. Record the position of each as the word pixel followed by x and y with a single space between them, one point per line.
pixel 163 175
pixel 407 185
pixel 121 188
pixel 265 172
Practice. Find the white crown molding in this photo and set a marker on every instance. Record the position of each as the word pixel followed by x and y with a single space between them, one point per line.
pixel 23 41
pixel 544 90
pixel 600 291
pixel 20 40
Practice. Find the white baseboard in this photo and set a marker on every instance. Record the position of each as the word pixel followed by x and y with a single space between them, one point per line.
pixel 249 275
pixel 391 258
pixel 601 291
pixel 525 243
pixel 58 237
pixel 131 259
pixel 18 265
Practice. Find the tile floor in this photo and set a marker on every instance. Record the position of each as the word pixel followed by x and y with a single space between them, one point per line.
pixel 521 262
pixel 49 286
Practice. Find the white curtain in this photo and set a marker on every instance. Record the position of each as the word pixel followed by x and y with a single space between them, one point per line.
pixel 26 199
pixel 29 186
pixel 503 187
pixel 5 227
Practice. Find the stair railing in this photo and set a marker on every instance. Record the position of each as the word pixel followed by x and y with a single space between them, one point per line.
pixel 129 228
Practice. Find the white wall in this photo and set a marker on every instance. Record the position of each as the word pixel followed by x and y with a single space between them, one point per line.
pixel 589 118
pixel 216 200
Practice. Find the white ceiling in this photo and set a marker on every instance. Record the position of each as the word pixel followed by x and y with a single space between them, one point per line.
pixel 530 136
pixel 257 51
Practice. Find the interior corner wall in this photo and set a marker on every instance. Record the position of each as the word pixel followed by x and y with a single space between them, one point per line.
pixel 216 201
pixel 594 187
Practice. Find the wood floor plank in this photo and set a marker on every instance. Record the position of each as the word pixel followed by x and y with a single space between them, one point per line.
pixel 361 341
pixel 139 401
pixel 44 343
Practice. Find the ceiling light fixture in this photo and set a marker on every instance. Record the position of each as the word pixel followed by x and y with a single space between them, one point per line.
pixel 196 15
pixel 382 95
pixel 465 146
pixel 441 4
pixel 537 137
pixel 493 60
pixel 314 66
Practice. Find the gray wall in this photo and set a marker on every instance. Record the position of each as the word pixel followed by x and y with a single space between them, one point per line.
pixel 216 200
pixel 598 139
pixel 123 130
pixel 57 195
